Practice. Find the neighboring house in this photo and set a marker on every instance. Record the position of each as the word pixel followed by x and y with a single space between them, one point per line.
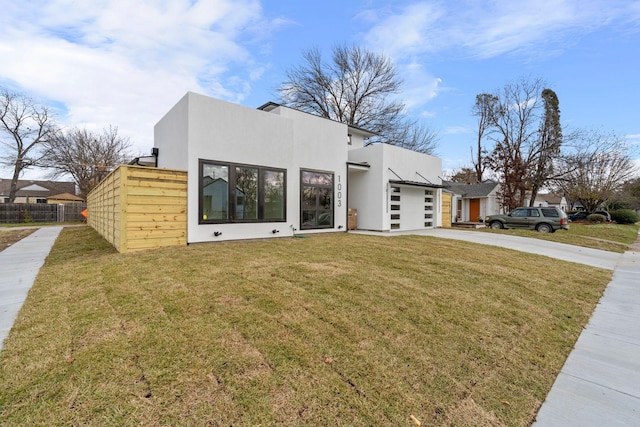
pixel 472 202
pixel 33 191
pixel 65 199
pixel 549 199
pixel 276 171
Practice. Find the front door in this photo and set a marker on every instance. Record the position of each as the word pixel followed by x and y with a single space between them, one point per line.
pixel 474 210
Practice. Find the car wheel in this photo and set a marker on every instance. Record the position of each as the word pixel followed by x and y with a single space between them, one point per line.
pixel 544 228
pixel 496 225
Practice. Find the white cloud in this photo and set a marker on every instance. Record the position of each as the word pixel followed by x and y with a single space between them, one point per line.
pixel 122 63
pixel 456 130
pixel 419 85
pixel 489 28
pixel 411 34
pixel 634 138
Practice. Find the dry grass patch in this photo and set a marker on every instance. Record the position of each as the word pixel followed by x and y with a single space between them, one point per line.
pixel 9 236
pixel 331 330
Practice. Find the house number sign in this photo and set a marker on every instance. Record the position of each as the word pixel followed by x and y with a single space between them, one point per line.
pixel 339 195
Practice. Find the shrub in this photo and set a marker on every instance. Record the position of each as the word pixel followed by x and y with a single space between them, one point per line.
pixel 597 218
pixel 625 216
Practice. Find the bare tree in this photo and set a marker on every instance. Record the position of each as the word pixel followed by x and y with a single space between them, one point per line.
pixel 414 136
pixel 24 127
pixel 484 109
pixel 86 156
pixel 356 87
pixel 464 175
pixel 516 118
pixel 595 169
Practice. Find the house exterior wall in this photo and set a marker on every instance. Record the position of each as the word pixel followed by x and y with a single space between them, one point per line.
pixel 370 191
pixel 488 206
pixel 170 136
pixel 204 128
pixel 64 202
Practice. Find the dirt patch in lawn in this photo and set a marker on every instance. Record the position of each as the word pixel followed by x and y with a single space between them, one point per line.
pixel 10 236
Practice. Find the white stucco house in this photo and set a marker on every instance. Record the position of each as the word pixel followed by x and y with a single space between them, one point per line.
pixel 275 171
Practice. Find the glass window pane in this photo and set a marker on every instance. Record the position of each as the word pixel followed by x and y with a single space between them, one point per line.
pixel 215 192
pixel 273 195
pixel 308 219
pixel 246 193
pixel 316 199
pixel 317 178
pixel 325 219
pixel 309 197
pixel 324 198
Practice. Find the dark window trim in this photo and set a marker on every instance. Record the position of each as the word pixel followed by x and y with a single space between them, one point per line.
pixel 333 194
pixel 232 194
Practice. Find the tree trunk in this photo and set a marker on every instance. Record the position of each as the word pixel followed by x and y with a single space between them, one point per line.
pixel 14 180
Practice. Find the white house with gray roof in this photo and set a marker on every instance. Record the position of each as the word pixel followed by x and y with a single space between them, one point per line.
pixel 472 202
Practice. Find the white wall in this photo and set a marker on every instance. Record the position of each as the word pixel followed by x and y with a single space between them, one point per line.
pixel 369 191
pixel 170 136
pixel 200 127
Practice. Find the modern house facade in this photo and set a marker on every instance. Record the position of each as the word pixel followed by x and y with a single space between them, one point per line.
pixel 275 171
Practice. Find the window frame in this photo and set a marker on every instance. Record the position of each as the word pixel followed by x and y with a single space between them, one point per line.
pixel 332 187
pixel 231 195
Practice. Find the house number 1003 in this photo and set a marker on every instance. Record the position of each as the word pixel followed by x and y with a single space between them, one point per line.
pixel 339 192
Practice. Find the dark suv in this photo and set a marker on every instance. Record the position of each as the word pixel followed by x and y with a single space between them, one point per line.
pixel 544 220
pixel 582 215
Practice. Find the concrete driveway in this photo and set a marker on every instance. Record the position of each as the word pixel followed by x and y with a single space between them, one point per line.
pixel 587 256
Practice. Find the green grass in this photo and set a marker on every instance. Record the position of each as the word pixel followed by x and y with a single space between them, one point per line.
pixel 339 329
pixel 607 237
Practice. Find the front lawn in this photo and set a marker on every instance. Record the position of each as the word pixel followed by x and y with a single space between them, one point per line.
pixel 606 237
pixel 337 329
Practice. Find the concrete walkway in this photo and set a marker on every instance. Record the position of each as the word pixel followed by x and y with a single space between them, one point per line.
pixel 599 384
pixel 19 266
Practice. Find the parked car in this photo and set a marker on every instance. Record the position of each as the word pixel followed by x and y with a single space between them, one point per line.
pixel 544 220
pixel 582 215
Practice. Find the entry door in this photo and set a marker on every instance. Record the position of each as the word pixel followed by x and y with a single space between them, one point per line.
pixel 474 210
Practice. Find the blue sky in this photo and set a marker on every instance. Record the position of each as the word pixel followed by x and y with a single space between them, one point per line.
pixel 123 63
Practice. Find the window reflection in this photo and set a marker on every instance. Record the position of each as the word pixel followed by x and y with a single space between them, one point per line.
pixel 316 199
pixel 232 193
pixel 215 192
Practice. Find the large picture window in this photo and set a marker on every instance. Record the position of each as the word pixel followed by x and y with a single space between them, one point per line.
pixel 316 199
pixel 241 193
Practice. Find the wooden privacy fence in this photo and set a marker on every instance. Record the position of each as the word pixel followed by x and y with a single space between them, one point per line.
pixel 18 213
pixel 138 207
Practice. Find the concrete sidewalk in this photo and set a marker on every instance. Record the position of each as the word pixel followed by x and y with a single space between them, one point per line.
pixel 19 265
pixel 599 384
